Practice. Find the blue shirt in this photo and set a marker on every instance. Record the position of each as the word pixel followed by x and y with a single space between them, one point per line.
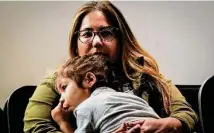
pixel 105 110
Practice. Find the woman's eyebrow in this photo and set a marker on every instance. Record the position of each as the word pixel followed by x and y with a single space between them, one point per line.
pixel 104 27
pixel 98 28
pixel 87 29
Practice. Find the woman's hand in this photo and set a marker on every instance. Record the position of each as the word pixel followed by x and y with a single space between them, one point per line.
pixel 62 117
pixel 125 128
pixel 163 125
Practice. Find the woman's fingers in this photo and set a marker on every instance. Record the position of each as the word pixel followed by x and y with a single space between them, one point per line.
pixel 121 129
pixel 138 122
pixel 135 129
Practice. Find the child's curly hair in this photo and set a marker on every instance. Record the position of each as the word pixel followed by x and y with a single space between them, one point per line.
pixel 76 68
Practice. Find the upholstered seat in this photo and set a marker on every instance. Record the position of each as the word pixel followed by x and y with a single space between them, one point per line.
pixel 14 108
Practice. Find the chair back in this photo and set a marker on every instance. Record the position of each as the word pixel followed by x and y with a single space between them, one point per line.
pixel 205 95
pixel 1 121
pixel 190 92
pixel 15 106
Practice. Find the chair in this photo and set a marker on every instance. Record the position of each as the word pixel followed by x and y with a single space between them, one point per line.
pixel 15 106
pixel 190 92
pixel 1 121
pixel 205 102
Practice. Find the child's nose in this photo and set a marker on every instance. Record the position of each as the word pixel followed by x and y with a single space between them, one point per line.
pixel 65 107
pixel 61 100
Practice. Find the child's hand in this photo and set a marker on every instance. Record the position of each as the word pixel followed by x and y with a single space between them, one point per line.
pixel 60 115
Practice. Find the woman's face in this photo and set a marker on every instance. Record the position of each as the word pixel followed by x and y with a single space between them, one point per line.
pixel 90 43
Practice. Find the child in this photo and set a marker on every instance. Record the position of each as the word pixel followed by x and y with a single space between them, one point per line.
pixel 85 89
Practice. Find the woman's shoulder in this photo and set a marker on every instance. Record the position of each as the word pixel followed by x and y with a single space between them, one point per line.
pixel 49 77
pixel 48 83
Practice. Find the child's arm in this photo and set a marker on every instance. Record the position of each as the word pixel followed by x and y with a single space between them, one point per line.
pixel 61 117
pixel 66 128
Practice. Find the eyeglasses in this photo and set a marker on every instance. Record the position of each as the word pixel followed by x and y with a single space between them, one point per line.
pixel 106 34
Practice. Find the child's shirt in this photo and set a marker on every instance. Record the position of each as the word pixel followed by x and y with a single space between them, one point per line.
pixel 105 110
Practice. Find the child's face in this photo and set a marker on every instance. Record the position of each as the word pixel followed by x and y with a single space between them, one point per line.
pixel 72 94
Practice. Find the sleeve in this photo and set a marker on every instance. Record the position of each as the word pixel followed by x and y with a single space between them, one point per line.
pixel 181 109
pixel 84 122
pixel 37 117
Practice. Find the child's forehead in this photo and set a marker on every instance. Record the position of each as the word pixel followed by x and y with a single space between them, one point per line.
pixel 65 80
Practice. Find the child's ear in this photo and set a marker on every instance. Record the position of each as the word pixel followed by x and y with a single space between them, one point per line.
pixel 89 79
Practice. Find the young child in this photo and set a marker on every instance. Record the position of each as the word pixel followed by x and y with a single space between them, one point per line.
pixel 85 89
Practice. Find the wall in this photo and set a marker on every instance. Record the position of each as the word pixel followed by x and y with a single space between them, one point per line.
pixel 34 37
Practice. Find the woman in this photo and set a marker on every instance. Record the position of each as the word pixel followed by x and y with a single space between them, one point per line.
pixel 99 27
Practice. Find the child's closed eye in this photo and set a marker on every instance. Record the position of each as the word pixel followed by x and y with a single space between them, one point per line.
pixel 62 88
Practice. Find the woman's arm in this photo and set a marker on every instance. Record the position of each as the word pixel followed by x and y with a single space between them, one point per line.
pixel 37 117
pixel 182 117
pixel 181 109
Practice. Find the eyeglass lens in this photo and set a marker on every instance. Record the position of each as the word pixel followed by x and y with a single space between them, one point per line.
pixel 106 34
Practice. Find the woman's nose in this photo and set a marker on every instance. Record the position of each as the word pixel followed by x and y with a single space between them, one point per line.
pixel 97 41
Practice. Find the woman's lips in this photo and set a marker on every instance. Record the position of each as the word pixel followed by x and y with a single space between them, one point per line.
pixel 101 53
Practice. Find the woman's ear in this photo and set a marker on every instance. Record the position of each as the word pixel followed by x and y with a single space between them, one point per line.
pixel 89 80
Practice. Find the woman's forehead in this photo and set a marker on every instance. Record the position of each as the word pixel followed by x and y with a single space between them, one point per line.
pixel 94 20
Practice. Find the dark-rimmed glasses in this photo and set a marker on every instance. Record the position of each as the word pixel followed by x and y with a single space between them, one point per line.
pixel 106 34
